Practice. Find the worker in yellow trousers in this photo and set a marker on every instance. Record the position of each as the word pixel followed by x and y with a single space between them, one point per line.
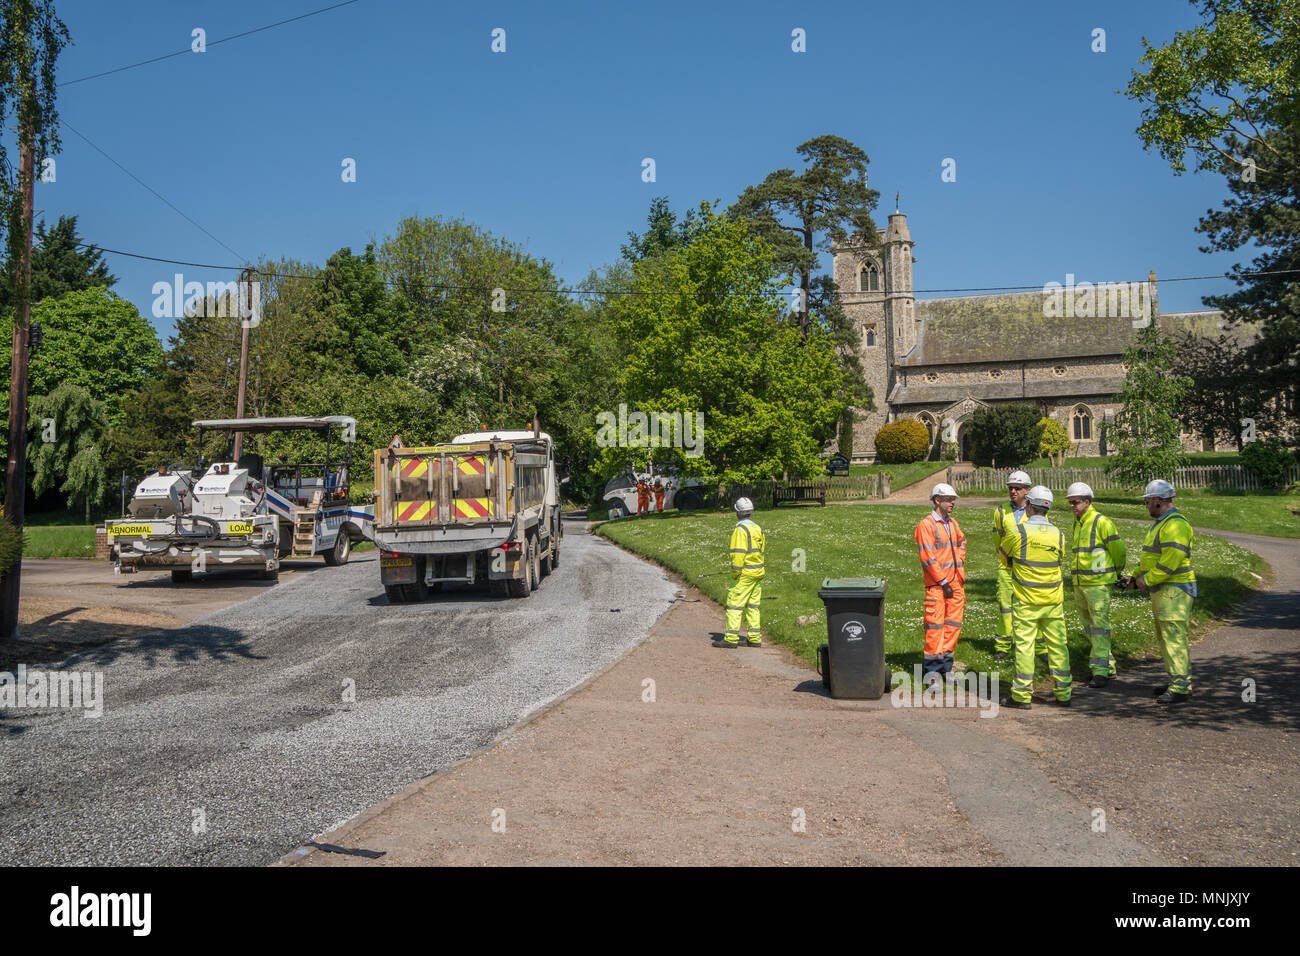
pixel 1035 550
pixel 1166 572
pixel 1097 556
pixel 1005 517
pixel 744 600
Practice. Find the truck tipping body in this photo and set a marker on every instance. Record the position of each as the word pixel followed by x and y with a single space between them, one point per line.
pixel 482 507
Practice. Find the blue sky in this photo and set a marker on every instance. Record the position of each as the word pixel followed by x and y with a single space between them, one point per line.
pixel 543 144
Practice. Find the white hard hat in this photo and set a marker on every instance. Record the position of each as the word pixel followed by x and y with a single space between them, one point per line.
pixel 943 489
pixel 744 506
pixel 1159 489
pixel 1040 496
pixel 1019 478
pixel 1078 490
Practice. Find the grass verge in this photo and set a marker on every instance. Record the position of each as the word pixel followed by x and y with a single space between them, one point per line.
pixel 859 540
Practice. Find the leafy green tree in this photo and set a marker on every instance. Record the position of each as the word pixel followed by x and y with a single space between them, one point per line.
pixel 155 428
pixel 829 199
pixel 705 335
pixel 65 449
pixel 1224 389
pixel 93 339
pixel 1053 442
pixel 60 264
pixel 11 545
pixel 1268 461
pixel 1004 434
pixel 1146 434
pixel 1264 214
pixel 664 232
pixel 1222 85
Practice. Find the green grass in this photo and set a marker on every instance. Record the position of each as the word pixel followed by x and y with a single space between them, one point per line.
pixel 1255 513
pixel 903 475
pixel 59 541
pixel 859 540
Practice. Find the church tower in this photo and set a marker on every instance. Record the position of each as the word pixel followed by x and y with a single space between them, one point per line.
pixel 900 314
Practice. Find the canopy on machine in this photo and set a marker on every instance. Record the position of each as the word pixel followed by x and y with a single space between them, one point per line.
pixel 254 425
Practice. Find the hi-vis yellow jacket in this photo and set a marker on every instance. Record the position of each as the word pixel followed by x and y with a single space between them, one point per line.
pixel 1167 553
pixel 747 544
pixel 1097 553
pixel 1004 519
pixel 1035 549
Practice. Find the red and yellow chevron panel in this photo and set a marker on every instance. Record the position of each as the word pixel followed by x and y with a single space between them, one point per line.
pixel 471 507
pixel 416 511
pixel 417 467
pixel 471 464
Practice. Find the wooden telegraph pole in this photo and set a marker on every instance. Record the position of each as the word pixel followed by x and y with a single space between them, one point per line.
pixel 16 465
pixel 246 286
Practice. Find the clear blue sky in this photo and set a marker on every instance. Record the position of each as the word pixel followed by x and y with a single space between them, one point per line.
pixel 543 144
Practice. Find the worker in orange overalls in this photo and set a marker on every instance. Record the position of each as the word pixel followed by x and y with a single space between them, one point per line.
pixel 642 497
pixel 659 494
pixel 942 549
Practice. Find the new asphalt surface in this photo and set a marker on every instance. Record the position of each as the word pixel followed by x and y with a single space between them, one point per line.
pixel 240 736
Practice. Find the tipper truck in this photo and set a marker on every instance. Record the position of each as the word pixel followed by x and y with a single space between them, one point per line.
pixel 481 508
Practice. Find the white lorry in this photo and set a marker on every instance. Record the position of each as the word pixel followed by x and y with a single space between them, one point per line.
pixel 244 514
pixel 483 507
pixel 619 498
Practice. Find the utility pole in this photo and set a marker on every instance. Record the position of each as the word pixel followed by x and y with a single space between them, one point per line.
pixel 16 465
pixel 246 284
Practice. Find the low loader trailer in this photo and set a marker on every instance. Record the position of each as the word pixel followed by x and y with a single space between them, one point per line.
pixel 482 508
pixel 244 514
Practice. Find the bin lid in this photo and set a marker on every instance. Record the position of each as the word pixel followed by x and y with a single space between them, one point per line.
pixel 852 587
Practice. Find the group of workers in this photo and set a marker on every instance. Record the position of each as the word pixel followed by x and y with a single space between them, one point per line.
pixel 1034 560
pixel 643 492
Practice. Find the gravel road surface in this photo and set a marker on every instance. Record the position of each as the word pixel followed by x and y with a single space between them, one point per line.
pixel 242 735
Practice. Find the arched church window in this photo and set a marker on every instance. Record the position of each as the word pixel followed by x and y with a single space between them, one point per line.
pixel 869 279
pixel 1082 421
pixel 871 336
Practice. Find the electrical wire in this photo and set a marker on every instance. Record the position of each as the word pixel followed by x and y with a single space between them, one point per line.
pixel 234 36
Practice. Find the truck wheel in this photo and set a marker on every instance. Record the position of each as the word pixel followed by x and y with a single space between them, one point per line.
pixel 339 553
pixel 419 591
pixel 536 549
pixel 182 576
pixel 394 593
pixel 546 561
pixel 522 587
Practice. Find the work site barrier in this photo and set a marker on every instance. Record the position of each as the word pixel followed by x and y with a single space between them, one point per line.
pixel 1217 477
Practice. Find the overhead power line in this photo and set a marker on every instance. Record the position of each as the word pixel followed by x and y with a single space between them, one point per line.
pixel 169 203
pixel 212 43
pixel 463 288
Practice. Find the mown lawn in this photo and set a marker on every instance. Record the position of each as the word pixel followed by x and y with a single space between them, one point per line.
pixel 1276 515
pixel 860 540
pixel 59 541
pixel 903 475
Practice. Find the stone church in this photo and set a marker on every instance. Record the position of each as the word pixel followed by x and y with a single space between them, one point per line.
pixel 941 360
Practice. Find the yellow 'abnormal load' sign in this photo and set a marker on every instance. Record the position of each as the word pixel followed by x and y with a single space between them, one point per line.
pixel 239 527
pixel 114 529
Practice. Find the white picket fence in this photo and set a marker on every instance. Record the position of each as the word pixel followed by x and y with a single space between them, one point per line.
pixel 1218 477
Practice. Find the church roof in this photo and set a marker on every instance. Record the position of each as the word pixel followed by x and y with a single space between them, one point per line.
pixel 1091 386
pixel 1008 327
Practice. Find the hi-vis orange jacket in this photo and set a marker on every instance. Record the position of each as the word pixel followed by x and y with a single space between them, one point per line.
pixel 942 549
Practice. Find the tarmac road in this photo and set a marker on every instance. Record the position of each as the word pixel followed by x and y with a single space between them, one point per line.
pixel 238 737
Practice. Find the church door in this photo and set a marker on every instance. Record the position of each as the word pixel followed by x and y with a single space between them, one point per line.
pixel 963 444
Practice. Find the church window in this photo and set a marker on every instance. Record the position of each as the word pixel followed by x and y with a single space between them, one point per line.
pixel 1058 370
pixel 869 279
pixel 995 373
pixel 871 335
pixel 932 377
pixel 1082 420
